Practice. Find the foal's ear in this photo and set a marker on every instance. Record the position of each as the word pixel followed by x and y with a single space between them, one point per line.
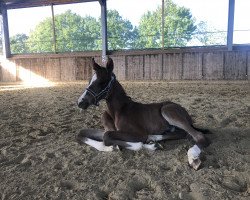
pixel 110 65
pixel 95 65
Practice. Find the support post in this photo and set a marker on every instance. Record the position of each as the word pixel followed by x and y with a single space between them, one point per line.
pixel 103 4
pixel 230 25
pixel 6 38
pixel 162 23
pixel 53 27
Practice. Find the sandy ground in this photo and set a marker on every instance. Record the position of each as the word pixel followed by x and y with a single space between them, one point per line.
pixel 40 159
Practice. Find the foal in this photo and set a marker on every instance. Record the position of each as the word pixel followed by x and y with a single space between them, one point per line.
pixel 134 125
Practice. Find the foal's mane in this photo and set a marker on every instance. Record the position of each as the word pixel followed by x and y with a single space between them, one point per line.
pixel 120 93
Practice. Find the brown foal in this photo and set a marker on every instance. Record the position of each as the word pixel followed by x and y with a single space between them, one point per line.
pixel 130 124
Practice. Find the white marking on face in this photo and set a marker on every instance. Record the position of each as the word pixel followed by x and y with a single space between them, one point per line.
pixel 135 146
pixel 98 145
pixel 94 77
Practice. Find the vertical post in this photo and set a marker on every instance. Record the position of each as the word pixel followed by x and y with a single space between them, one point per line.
pixel 162 23
pixel 103 4
pixel 230 25
pixel 53 27
pixel 6 37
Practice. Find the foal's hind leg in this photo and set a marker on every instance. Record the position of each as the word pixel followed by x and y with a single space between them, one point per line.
pixel 177 134
pixel 178 116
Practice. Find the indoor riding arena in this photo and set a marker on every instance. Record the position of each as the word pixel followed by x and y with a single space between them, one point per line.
pixel 40 157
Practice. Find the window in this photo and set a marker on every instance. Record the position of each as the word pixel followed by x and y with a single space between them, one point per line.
pixel 30 30
pixel 210 20
pixel 78 27
pixel 127 21
pixel 241 22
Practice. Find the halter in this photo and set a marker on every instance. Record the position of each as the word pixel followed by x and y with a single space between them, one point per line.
pixel 104 93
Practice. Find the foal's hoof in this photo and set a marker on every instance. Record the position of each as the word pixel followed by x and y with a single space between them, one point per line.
pixel 80 139
pixel 153 146
pixel 196 164
pixel 159 146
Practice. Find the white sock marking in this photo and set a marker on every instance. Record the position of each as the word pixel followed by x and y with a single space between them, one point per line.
pixel 135 146
pixel 193 153
pixel 155 137
pixel 98 145
pixel 151 147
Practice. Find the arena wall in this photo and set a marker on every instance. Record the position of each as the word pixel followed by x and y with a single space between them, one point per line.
pixel 204 63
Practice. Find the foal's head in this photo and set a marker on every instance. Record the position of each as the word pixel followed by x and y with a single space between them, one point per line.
pixel 99 85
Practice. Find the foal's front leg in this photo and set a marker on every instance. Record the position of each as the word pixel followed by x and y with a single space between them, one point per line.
pixel 108 122
pixel 129 140
pixel 94 138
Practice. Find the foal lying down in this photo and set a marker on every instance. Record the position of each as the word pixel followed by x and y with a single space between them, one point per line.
pixel 134 125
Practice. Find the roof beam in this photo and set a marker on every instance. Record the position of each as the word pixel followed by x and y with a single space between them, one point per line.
pixel 15 4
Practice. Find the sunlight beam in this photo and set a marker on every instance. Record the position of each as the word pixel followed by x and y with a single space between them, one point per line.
pixel 29 79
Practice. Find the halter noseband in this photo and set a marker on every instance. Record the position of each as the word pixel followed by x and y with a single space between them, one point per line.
pixel 104 93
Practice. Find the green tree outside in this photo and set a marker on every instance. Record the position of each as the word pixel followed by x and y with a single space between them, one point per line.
pixel 121 33
pixel 73 33
pixel 76 33
pixel 18 43
pixel 206 35
pixel 178 30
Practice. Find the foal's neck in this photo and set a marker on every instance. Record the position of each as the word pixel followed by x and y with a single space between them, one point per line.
pixel 117 98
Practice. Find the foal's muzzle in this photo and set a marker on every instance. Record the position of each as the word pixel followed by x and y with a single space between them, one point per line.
pixel 83 104
pixel 84 101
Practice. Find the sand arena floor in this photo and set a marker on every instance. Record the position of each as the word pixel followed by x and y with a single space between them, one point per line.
pixel 40 159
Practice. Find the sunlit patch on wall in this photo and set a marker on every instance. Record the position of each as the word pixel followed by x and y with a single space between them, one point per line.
pixel 28 78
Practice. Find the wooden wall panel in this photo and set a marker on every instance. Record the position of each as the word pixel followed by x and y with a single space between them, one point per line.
pixel 37 67
pixel 83 68
pixel 23 69
pixel 153 67
pixel 52 69
pixel 248 65
pixel 68 69
pixel 213 66
pixel 172 66
pixel 119 67
pixel 192 66
pixel 8 71
pixel 18 63
pixel 235 65
pixel 135 69
pixel 1 75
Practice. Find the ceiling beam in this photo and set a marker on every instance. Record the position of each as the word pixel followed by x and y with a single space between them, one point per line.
pixel 15 4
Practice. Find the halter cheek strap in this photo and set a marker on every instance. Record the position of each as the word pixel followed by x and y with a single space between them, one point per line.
pixel 104 93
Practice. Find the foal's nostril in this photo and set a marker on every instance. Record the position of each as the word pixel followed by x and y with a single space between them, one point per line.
pixel 83 104
pixel 80 103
